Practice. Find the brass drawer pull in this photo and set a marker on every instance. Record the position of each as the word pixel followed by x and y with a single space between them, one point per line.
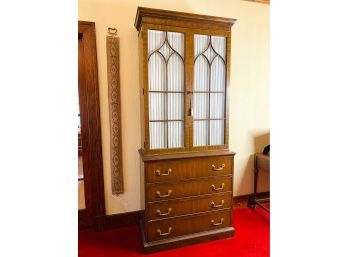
pixel 217 224
pixel 213 205
pixel 164 234
pixel 158 193
pixel 158 172
pixel 219 188
pixel 218 168
pixel 164 214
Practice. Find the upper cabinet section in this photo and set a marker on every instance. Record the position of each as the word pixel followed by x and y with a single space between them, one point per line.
pixel 184 79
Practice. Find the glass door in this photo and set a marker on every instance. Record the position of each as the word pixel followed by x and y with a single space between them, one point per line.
pixel 166 90
pixel 209 90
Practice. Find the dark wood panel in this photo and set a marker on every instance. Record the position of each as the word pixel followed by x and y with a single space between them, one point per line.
pixel 83 219
pixel 174 170
pixel 90 122
pixel 170 209
pixel 163 229
pixel 157 192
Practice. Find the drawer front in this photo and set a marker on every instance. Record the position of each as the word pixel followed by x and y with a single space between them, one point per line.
pixel 164 229
pixel 168 209
pixel 160 171
pixel 165 191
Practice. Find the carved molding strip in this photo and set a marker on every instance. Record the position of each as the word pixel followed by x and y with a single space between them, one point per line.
pixel 259 1
pixel 113 69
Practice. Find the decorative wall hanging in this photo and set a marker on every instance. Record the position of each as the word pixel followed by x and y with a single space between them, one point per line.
pixel 113 69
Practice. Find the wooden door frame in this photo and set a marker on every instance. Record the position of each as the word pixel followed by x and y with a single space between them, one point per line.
pixel 94 214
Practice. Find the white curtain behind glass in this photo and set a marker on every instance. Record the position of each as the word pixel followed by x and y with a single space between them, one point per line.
pixel 209 90
pixel 166 89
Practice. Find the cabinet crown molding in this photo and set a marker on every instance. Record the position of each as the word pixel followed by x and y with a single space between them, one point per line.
pixel 144 12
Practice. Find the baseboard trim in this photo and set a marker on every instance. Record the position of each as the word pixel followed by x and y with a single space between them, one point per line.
pixel 122 219
pixel 242 201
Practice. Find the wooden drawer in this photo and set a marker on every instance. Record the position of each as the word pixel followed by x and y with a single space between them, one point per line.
pixel 163 229
pixel 165 191
pixel 170 170
pixel 172 208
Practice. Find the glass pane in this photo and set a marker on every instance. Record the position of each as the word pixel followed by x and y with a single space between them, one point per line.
pixel 200 105
pixel 219 45
pixel 201 74
pixel 201 43
pixel 217 82
pixel 217 132
pixel 157 135
pixel 155 40
pixel 176 41
pixel 175 106
pixel 157 72
pixel 175 73
pixel 156 106
pixel 175 134
pixel 200 137
pixel 217 105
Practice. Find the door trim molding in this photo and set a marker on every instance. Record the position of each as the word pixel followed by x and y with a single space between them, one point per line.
pixel 91 129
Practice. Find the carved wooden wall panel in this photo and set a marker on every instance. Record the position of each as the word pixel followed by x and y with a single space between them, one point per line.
pixel 113 62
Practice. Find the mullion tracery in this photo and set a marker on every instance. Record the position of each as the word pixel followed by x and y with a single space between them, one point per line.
pixel 166 51
pixel 209 54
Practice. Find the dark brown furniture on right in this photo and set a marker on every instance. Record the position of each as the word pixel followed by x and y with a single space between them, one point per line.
pixel 261 162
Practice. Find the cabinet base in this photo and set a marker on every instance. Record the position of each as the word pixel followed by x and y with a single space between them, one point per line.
pixel 176 242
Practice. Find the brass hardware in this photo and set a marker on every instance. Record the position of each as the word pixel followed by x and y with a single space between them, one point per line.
pixel 164 214
pixel 213 205
pixel 219 188
pixel 158 172
pixel 112 31
pixel 158 193
pixel 164 234
pixel 217 224
pixel 218 168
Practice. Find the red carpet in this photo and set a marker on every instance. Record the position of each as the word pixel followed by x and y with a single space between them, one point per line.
pixel 252 239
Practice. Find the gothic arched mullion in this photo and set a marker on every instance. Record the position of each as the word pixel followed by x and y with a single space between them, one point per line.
pixel 217 55
pixel 171 53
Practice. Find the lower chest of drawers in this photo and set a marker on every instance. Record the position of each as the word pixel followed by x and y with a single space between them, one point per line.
pixel 186 198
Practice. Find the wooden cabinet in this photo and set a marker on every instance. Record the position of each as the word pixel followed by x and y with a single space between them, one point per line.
pixel 184 62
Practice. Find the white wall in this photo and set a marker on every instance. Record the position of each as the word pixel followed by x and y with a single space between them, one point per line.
pixel 249 86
